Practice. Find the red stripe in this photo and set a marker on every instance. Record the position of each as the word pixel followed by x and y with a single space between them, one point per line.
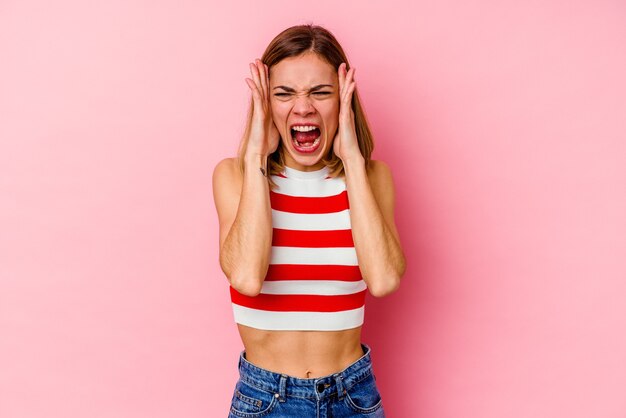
pixel 300 204
pixel 312 239
pixel 313 272
pixel 308 303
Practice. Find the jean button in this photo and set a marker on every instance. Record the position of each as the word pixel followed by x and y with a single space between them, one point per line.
pixel 320 387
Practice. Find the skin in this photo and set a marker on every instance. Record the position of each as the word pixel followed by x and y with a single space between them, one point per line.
pixel 320 106
pixel 242 203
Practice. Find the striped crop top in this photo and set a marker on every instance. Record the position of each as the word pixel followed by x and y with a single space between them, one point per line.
pixel 313 280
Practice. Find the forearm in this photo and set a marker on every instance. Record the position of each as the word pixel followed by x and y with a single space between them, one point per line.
pixel 379 253
pixel 246 251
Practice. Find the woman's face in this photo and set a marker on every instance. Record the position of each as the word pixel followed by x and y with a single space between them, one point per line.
pixel 304 91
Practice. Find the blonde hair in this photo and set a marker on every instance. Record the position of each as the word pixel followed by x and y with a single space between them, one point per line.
pixel 293 42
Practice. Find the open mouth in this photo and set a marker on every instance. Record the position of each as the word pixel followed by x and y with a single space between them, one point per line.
pixel 306 139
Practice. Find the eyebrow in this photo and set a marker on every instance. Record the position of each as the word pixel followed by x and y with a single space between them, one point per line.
pixel 319 86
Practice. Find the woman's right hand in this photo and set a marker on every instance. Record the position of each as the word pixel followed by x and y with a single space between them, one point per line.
pixel 263 134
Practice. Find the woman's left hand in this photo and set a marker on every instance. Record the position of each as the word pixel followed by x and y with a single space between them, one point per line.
pixel 345 144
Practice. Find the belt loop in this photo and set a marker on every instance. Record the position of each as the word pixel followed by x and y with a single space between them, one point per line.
pixel 282 388
pixel 366 349
pixel 341 390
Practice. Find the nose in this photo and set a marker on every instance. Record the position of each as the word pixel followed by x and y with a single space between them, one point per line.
pixel 303 105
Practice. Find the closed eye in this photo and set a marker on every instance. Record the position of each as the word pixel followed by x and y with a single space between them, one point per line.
pixel 317 92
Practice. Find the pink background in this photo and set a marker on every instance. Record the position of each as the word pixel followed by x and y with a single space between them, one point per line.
pixel 504 125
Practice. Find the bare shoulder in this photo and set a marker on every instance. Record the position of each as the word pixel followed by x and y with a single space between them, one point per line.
pixel 227 174
pixel 380 179
pixel 379 175
pixel 227 181
pixel 225 166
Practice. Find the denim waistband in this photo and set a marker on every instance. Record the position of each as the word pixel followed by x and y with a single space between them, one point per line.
pixel 283 385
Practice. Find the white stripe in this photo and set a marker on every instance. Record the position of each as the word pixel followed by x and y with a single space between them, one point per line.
pixel 343 256
pixel 321 188
pixel 305 321
pixel 311 221
pixel 312 287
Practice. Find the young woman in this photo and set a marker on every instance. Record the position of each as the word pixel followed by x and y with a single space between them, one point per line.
pixel 298 254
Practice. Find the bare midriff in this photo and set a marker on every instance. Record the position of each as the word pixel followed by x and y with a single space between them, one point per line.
pixel 303 354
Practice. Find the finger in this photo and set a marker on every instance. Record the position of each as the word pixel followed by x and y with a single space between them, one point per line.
pixel 254 70
pixel 347 99
pixel 262 84
pixel 351 93
pixel 255 92
pixel 348 79
pixel 340 76
pixel 263 77
pixel 267 71
pixel 346 84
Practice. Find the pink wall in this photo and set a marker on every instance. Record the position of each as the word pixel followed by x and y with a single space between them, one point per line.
pixel 504 124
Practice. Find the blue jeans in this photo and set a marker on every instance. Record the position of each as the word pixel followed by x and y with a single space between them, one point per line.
pixel 351 392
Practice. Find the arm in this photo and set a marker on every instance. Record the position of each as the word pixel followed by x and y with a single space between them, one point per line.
pixel 245 219
pixel 376 239
pixel 371 196
pixel 243 202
